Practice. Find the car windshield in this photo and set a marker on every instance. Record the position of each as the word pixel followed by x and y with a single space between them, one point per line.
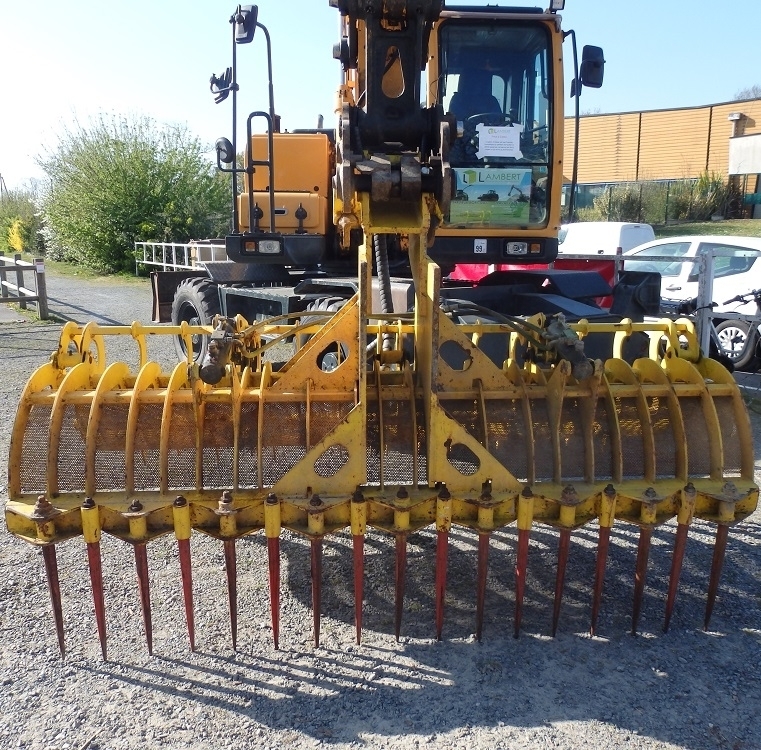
pixel 495 79
pixel 665 268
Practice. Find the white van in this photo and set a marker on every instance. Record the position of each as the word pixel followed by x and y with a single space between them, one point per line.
pixel 602 237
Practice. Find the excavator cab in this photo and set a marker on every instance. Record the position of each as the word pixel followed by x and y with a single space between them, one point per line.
pixel 496 80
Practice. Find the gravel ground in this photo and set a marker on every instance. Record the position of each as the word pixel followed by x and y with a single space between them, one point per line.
pixel 686 689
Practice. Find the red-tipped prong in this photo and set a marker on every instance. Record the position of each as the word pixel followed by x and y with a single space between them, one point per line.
pixel 231 568
pixel 358 542
pixel 719 549
pixel 141 565
pixel 676 570
pixel 602 558
pixel 521 564
pixel 442 548
pixel 54 586
pixel 96 580
pixel 483 571
pixel 400 576
pixel 273 555
pixel 640 572
pixel 563 547
pixel 183 546
pixel 316 569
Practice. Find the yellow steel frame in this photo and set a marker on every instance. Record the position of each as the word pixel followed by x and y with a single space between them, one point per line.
pixel 326 487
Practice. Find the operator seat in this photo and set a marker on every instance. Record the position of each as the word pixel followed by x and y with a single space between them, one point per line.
pixel 474 96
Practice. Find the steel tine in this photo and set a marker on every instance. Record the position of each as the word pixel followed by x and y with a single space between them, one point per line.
pixel 483 571
pixel 603 542
pixel 358 545
pixel 442 549
pixel 231 569
pixel 563 547
pixel 182 530
pixel 143 585
pixel 400 576
pixel 719 550
pixel 91 533
pixel 273 554
pixel 96 580
pixel 521 564
pixel 358 530
pixel 54 586
pixel 272 530
pixel 186 574
pixel 316 571
pixel 640 572
pixel 680 544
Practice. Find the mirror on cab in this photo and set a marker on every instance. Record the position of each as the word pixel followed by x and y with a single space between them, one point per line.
pixel 592 66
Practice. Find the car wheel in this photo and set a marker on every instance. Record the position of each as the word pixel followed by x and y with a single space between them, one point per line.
pixel 739 342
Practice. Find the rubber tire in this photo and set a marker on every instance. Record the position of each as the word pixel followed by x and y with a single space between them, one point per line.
pixel 738 332
pixel 196 301
pixel 328 359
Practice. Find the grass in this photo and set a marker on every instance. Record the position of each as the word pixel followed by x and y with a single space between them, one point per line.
pixel 728 227
pixel 59 268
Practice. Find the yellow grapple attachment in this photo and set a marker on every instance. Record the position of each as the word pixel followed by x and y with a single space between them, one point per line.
pixel 138 453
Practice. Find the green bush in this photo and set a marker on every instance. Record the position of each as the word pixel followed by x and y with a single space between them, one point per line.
pixel 19 222
pixel 122 180
pixel 660 202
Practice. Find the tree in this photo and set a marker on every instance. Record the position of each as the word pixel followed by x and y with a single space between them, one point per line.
pixel 120 180
pixel 751 92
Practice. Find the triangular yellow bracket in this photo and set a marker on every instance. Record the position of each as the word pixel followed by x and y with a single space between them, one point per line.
pixel 343 329
pixel 445 433
pixel 349 435
pixel 479 367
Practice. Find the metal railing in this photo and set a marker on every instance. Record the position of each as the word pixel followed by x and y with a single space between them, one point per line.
pixel 177 256
pixel 18 292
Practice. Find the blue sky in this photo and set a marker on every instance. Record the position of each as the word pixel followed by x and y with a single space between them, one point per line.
pixel 64 62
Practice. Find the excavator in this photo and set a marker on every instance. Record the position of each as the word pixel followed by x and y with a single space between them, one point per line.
pixel 405 400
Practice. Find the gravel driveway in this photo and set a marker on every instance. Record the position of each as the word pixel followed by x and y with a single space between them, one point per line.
pixel 686 689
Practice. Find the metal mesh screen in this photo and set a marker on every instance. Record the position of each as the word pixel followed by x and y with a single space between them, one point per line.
pixel 399 441
pixel 632 445
pixel 463 459
pixel 109 452
pixel 331 461
pixel 248 441
pixel 543 452
pixel 508 436
pixel 71 449
pixel 399 437
pixel 182 448
pixel 730 436
pixel 284 439
pixel 663 435
pixel 572 453
pixel 698 439
pixel 325 416
pixel 34 451
pixel 147 440
pixel 218 447
pixel 601 442
pixel 467 414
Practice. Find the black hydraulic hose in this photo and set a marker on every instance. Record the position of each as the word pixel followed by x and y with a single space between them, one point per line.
pixel 380 249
